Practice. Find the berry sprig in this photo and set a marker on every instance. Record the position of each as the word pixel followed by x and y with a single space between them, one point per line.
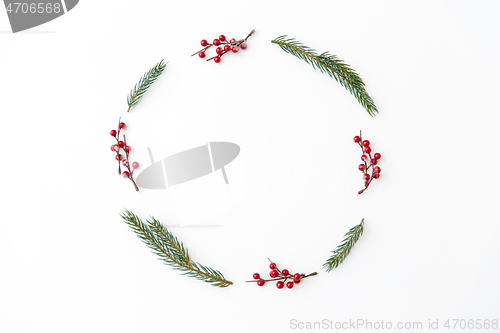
pixel 223 46
pixel 369 161
pixel 116 147
pixel 281 276
pixel 122 145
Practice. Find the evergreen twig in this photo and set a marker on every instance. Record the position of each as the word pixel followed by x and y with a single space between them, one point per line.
pixel 169 250
pixel 144 83
pixel 333 66
pixel 338 256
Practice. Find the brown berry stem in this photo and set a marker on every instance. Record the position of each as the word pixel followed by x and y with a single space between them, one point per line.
pixel 202 50
pixel 250 34
pixel 135 185
pixel 312 274
pixel 366 185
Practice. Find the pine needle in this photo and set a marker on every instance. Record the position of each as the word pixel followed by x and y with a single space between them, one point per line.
pixel 339 255
pixel 333 66
pixel 172 252
pixel 144 83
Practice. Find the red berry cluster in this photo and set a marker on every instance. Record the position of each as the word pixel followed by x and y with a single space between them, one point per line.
pixel 223 46
pixel 281 276
pixel 369 161
pixel 122 145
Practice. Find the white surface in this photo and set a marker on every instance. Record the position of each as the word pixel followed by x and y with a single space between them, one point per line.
pixel 430 248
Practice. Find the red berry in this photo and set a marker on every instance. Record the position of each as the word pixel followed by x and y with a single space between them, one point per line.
pixel 376 169
pixel 232 40
pixel 113 133
pixel 216 42
pixel 374 161
pixel 376 156
pixel 121 144
pixel 243 46
pixel 222 37
pixel 357 139
pixel 297 276
pixel 368 150
pixel 125 163
pixel 361 167
pixel 115 148
pixel 289 285
pixel 366 143
pixel 274 273
pixel 363 157
pixel 272 265
pixel 285 272
pixel 127 149
pixel 227 48
pixel 219 50
pixel 366 177
pixel 280 284
pixel 201 54
pixel 217 59
pixel 235 49
pixel 376 175
pixel 121 125
pixel 135 165
pixel 118 157
pixel 125 174
pixel 260 283
pixel 296 281
pixel 204 42
pixel 256 276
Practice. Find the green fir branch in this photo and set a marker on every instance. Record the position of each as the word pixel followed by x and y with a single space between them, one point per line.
pixel 333 66
pixel 339 255
pixel 171 251
pixel 144 83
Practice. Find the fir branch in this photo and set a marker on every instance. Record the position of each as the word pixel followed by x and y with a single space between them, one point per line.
pixel 144 83
pixel 351 237
pixel 171 251
pixel 333 66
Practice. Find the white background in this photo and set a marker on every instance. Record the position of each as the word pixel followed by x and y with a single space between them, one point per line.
pixel 430 249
